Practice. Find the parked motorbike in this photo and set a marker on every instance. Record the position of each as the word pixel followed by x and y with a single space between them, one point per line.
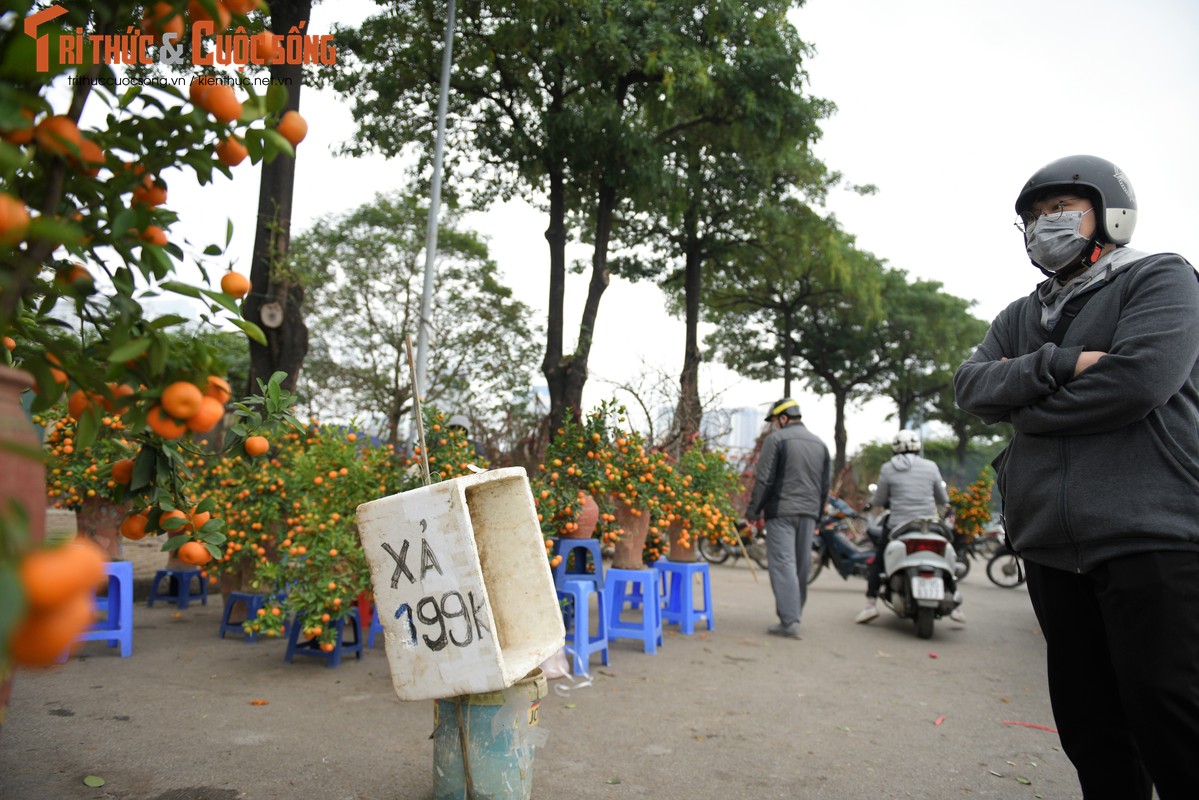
pixel 839 543
pixel 919 563
pixel 753 540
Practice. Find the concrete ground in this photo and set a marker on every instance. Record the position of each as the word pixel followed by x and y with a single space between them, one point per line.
pixel 850 711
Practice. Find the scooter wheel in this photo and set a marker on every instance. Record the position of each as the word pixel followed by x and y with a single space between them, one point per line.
pixel 924 622
pixel 712 552
pixel 815 565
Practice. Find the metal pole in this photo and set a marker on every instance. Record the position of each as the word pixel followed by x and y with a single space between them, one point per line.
pixel 426 302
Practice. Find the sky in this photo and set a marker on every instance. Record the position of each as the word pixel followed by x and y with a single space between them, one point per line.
pixel 947 107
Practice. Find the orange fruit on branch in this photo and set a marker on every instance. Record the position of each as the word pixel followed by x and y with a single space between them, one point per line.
pixel 162 424
pixel 52 576
pixel 14 219
pixel 194 553
pixel 122 471
pixel 231 151
pixel 206 418
pixel 58 135
pixel 292 127
pixel 235 284
pixel 257 445
pixel 218 387
pixel 182 399
pixel 162 18
pixel 200 13
pixel 221 101
pixel 44 636
pixel 154 235
pixel 134 526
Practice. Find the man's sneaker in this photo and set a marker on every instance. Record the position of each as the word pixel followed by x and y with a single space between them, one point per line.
pixel 788 631
pixel 957 616
pixel 866 614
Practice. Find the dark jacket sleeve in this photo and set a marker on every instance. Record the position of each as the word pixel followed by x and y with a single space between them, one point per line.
pixel 764 477
pixel 995 381
pixel 1155 346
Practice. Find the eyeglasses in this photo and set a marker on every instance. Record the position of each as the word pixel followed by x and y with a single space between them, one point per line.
pixel 1053 213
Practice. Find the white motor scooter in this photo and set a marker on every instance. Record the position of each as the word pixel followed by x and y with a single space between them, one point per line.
pixel 919 563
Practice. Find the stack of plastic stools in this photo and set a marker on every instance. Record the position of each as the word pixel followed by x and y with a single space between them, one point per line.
pixel 629 585
pixel 180 580
pixel 311 647
pixel 578 638
pixel 117 628
pixel 679 593
pixel 576 568
pixel 251 601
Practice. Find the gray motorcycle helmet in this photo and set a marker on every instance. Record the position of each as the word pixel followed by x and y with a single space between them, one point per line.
pixel 1099 179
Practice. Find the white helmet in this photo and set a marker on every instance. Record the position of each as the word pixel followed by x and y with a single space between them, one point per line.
pixel 905 442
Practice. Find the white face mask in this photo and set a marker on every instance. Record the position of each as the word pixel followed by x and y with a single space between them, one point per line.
pixel 1055 244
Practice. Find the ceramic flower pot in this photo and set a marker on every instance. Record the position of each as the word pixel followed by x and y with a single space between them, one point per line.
pixel 630 548
pixel 682 543
pixel 588 517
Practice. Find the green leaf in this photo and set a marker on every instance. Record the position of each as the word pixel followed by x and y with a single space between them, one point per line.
pixel 143 469
pixel 182 288
pixel 130 350
pixel 167 320
pixel 213 250
pixel 223 300
pixel 94 781
pixel 87 427
pixel 276 98
pixel 251 330
pixel 213 549
pixel 12 600
pixel 173 544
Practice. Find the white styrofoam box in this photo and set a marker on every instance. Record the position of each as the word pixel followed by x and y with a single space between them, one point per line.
pixel 463 588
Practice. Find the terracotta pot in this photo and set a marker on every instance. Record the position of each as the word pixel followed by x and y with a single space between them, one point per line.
pixel 100 520
pixel 22 478
pixel 630 548
pixel 679 552
pixel 588 517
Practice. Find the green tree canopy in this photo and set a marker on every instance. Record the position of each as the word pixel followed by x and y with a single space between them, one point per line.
pixel 365 270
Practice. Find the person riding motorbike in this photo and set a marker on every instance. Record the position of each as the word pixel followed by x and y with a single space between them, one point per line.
pixel 912 488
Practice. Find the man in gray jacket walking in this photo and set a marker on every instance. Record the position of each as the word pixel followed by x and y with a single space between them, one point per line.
pixel 790 489
pixel 1097 370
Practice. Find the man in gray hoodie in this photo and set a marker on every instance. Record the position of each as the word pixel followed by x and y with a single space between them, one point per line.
pixel 790 489
pixel 911 487
pixel 1098 372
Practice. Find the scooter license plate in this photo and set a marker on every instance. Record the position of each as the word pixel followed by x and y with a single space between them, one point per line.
pixel 928 588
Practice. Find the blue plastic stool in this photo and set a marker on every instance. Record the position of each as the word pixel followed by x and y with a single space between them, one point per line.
pixel 679 594
pixel 117 628
pixel 579 639
pixel 180 580
pixel 580 548
pixel 376 626
pixel 251 602
pixel 623 586
pixel 312 648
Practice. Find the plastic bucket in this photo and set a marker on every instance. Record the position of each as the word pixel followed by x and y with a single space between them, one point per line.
pixel 499 729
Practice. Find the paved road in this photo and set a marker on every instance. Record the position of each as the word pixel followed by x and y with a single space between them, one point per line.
pixel 849 712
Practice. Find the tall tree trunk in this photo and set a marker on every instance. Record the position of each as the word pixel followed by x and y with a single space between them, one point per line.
pixel 840 438
pixel 788 351
pixel 287 344
pixel 688 413
pixel 553 366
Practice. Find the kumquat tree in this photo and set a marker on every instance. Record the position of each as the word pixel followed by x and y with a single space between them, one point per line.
pixel 291 518
pixel 87 245
pixel 601 459
pixel 972 507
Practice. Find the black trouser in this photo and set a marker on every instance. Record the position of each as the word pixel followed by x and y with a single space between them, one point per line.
pixel 874 573
pixel 1122 647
